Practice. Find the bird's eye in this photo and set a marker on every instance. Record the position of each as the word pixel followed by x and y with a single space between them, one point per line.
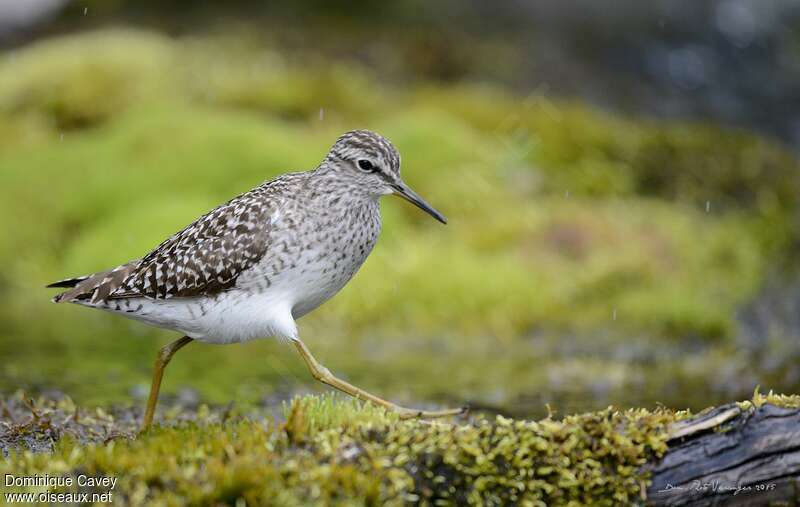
pixel 366 165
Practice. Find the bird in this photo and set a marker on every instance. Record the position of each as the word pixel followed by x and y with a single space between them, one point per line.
pixel 251 267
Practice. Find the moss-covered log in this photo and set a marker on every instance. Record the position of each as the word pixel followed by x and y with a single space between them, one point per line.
pixel 731 455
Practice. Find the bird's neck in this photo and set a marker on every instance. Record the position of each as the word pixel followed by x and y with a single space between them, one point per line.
pixel 339 202
pixel 326 181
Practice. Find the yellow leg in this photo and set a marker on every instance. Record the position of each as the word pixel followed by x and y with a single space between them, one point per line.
pixel 324 375
pixel 164 355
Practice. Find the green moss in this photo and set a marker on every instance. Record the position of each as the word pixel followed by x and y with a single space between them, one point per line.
pixel 342 452
pixel 779 400
pixel 334 450
pixel 70 87
pixel 587 152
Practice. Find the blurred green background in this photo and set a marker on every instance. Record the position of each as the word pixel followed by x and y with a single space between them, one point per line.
pixel 616 235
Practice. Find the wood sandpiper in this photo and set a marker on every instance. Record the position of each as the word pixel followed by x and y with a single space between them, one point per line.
pixel 251 267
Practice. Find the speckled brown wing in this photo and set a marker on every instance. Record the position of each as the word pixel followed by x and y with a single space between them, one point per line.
pixel 206 257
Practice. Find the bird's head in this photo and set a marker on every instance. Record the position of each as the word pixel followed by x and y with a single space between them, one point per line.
pixel 370 162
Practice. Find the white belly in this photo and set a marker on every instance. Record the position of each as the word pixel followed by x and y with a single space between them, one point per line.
pixel 229 317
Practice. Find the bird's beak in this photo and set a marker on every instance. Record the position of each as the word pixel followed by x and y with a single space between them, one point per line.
pixel 409 195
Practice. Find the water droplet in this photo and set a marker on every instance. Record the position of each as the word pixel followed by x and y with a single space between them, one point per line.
pixel 614 314
pixel 321 114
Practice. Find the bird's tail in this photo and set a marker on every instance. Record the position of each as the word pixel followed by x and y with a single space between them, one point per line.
pixel 95 287
pixel 69 282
